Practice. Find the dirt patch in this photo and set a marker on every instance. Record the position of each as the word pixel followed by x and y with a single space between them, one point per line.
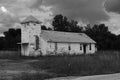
pixel 63 78
pixel 14 68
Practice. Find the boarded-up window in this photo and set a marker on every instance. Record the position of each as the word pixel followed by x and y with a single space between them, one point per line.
pixel 80 46
pixel 69 47
pixel 37 42
pixel 90 46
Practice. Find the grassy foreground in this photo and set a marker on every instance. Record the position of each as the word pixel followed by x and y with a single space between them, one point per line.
pixel 68 65
pixel 80 65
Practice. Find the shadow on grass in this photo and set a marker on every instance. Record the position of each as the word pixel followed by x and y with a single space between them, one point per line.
pixel 36 76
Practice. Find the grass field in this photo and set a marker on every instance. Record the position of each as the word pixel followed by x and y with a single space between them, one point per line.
pixel 41 68
pixel 21 70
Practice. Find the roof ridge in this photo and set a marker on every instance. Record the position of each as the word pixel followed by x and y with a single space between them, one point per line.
pixel 31 19
pixel 63 32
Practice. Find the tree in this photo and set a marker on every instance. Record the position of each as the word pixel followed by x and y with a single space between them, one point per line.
pixel 104 38
pixel 74 27
pixel 43 27
pixel 2 43
pixel 12 38
pixel 61 23
pixel 98 32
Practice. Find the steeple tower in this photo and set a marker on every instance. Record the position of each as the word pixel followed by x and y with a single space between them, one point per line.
pixel 30 35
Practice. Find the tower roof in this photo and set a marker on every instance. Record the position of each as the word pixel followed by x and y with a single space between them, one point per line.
pixel 31 19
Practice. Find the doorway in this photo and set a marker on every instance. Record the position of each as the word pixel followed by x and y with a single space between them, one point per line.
pixel 84 48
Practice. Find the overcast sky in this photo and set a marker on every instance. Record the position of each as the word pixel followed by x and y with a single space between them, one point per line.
pixel 84 11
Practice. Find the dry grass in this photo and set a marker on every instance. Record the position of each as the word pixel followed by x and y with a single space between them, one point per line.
pixel 20 70
pixel 41 68
pixel 9 54
pixel 81 65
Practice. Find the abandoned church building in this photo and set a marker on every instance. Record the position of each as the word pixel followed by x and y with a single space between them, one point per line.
pixel 35 42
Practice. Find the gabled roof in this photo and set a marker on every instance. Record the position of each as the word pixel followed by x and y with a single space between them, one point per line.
pixel 55 36
pixel 31 19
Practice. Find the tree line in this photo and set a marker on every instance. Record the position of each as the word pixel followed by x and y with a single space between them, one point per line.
pixel 11 40
pixel 98 32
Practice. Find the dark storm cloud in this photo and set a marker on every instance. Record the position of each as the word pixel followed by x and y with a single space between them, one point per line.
pixel 113 6
pixel 86 10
